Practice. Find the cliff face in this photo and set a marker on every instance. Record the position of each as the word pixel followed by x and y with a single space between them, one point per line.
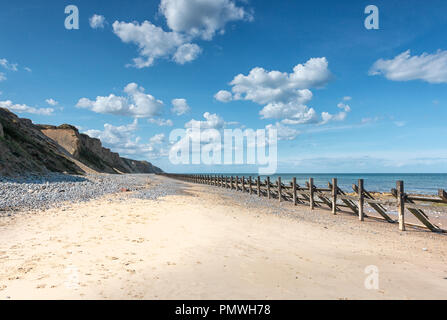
pixel 25 147
pixel 90 152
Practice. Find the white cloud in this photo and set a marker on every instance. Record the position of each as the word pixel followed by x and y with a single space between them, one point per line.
pixel 209 134
pixel 97 21
pixel 2 77
pixel 212 121
pixel 158 139
pixel 23 108
pixel 347 98
pixel 180 106
pixel 137 103
pixel 284 132
pixel 223 96
pixel 187 20
pixel 52 102
pixel 186 53
pixel 431 68
pixel 28 69
pixel 161 122
pixel 327 117
pixel 154 43
pixel 264 87
pixel 9 66
pixel 284 95
pixel 122 139
pixel 201 17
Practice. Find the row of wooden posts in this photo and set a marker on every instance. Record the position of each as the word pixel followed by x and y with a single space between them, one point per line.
pixel 332 197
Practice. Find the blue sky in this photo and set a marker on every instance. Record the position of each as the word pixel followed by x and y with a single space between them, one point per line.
pixel 385 107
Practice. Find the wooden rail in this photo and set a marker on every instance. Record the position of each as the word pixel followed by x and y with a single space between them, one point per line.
pixel 332 198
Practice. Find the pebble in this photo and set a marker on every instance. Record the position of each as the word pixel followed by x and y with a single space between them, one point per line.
pixel 42 192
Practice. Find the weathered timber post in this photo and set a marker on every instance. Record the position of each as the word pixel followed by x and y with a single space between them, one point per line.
pixel 268 187
pixel 294 191
pixel 258 185
pixel 311 193
pixel 401 204
pixel 237 183
pixel 279 190
pixel 334 195
pixel 231 183
pixel 361 201
pixel 251 187
pixel 243 184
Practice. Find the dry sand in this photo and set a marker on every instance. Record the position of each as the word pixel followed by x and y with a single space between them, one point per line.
pixel 208 243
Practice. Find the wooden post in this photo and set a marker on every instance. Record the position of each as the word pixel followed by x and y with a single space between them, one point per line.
pixel 334 195
pixel 361 201
pixel 231 183
pixel 237 183
pixel 279 190
pixel 251 187
pixel 401 204
pixel 311 193
pixel 294 191
pixel 258 185
pixel 268 187
pixel 243 184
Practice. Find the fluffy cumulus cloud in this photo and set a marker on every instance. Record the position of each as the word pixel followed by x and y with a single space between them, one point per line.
pixel 187 21
pixel 136 104
pixel 201 18
pixel 180 107
pixel 210 133
pixel 123 139
pixel 51 102
pixel 186 53
pixel 431 68
pixel 97 21
pixel 23 108
pixel 212 121
pixel 283 95
pixel 152 41
pixel 223 96
pixel 2 76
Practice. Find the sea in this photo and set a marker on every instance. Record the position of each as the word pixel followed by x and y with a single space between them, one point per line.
pixel 419 183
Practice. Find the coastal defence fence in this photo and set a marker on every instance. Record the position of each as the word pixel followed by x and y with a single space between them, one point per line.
pixel 333 198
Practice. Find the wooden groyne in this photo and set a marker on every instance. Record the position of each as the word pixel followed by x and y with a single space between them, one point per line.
pixel 332 197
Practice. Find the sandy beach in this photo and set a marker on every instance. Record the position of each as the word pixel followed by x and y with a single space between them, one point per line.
pixel 208 243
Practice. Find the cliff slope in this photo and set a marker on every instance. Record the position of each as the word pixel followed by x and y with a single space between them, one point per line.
pixel 29 148
pixel 90 151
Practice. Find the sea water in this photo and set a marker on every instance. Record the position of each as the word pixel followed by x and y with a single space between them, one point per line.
pixel 422 183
